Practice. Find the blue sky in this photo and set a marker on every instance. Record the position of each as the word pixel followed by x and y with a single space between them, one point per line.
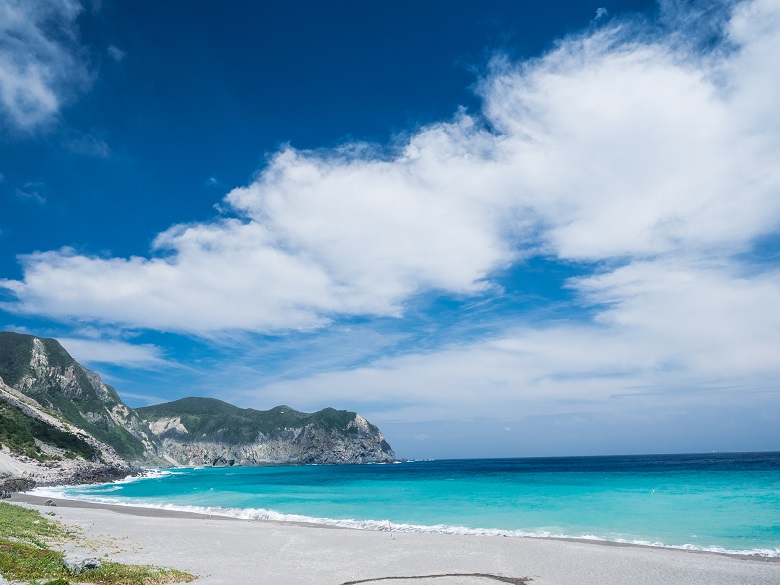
pixel 506 228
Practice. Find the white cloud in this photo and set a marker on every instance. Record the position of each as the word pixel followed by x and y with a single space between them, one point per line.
pixel 32 191
pixel 87 144
pixel 672 336
pixel 101 351
pixel 639 154
pixel 116 53
pixel 617 147
pixel 40 62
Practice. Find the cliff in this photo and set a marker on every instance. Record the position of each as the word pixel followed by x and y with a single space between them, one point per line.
pixel 60 423
pixel 42 370
pixel 206 431
pixel 39 448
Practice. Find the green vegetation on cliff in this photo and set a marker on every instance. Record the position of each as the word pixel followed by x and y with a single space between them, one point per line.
pixel 210 417
pixel 64 387
pixel 19 431
pixel 15 351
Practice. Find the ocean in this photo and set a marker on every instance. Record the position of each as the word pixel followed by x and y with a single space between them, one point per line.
pixel 718 502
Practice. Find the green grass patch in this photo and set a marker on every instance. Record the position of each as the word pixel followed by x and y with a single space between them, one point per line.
pixel 118 574
pixel 23 525
pixel 26 561
pixel 15 350
pixel 26 555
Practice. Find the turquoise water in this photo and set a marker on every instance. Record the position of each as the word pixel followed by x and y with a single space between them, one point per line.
pixel 723 502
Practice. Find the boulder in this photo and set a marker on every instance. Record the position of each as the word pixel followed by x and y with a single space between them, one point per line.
pixel 77 565
pixel 18 484
pixel 90 563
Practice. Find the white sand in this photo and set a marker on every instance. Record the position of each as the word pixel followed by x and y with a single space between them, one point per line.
pixel 229 551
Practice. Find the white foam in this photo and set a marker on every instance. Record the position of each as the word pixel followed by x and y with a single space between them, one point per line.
pixel 387 525
pixel 64 493
pixel 753 552
pixel 51 492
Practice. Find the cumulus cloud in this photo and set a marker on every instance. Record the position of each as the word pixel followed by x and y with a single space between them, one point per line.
pixel 41 66
pixel 620 148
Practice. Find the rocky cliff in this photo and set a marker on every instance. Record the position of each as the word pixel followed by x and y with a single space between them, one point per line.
pixel 42 370
pixel 39 447
pixel 57 415
pixel 205 431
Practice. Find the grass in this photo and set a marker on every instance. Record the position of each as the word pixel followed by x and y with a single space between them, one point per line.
pixel 22 525
pixel 25 555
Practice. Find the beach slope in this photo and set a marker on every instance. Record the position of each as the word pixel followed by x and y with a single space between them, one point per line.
pixel 231 551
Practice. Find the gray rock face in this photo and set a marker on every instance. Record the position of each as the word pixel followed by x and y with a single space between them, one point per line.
pixel 17 485
pixel 210 432
pixel 309 444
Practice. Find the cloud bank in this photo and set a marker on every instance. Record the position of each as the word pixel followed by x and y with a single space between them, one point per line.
pixel 647 155
pixel 41 65
pixel 671 338
pixel 614 147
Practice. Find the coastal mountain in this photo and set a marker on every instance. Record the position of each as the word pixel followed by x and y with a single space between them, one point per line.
pixel 206 431
pixel 39 447
pixel 41 369
pixel 59 418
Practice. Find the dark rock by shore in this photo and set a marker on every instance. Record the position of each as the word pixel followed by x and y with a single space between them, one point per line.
pixel 17 484
pixel 99 475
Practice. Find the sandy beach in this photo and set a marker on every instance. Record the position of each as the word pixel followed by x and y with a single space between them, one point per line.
pixel 230 551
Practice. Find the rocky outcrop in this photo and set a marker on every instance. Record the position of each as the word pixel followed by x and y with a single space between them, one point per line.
pixel 309 444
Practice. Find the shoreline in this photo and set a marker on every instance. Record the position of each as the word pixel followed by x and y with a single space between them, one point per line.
pixel 222 549
pixel 163 512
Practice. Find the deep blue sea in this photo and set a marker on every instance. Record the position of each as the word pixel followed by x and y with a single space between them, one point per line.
pixel 720 502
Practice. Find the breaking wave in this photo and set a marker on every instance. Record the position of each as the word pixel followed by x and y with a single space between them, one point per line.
pixel 261 514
